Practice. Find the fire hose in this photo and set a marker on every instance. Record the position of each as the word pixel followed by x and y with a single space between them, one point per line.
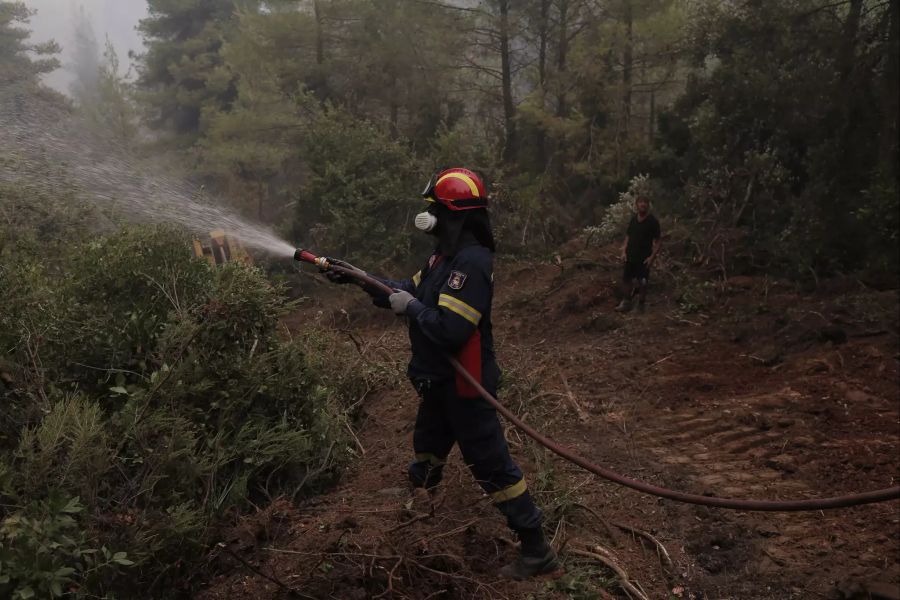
pixel 880 495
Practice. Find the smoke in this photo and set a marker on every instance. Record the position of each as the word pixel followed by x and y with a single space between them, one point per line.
pixel 58 20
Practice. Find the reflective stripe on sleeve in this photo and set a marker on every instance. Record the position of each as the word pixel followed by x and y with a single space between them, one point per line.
pixel 513 491
pixel 459 307
pixel 417 279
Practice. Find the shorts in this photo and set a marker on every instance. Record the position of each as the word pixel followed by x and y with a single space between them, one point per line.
pixel 636 270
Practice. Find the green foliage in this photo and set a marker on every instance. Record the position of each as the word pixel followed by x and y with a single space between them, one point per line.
pixel 159 391
pixel 18 64
pixel 45 554
pixel 68 449
pixel 31 218
pixel 112 108
pixel 359 200
pixel 336 111
pixel 616 217
pixel 180 74
pixel 792 157
pixel 696 296
pixel 85 59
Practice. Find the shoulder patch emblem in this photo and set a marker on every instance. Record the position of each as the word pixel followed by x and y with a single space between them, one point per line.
pixel 457 279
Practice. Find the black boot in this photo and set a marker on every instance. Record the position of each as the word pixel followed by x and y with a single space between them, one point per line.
pixel 536 557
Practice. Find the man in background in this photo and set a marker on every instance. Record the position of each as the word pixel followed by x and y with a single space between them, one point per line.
pixel 639 251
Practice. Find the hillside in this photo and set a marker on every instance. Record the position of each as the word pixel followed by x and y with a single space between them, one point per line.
pixel 760 392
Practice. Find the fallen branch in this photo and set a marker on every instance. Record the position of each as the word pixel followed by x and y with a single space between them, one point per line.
pixel 683 320
pixel 389 590
pixel 453 531
pixel 415 519
pixel 661 550
pixel 478 584
pixel 873 333
pixel 582 416
pixel 775 559
pixel 399 558
pixel 662 360
pixel 559 526
pixel 626 584
pixel 355 439
pixel 604 522
pixel 291 591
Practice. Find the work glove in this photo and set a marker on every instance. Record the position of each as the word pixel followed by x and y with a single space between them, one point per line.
pixel 340 278
pixel 400 301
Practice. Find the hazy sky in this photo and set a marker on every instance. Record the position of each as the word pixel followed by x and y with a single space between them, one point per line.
pixel 116 18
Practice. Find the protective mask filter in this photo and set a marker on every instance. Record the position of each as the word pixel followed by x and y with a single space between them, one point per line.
pixel 426 221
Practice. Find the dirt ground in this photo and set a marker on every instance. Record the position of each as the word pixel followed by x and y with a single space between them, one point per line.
pixel 758 391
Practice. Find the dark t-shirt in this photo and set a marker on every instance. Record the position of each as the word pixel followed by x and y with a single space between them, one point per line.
pixel 641 235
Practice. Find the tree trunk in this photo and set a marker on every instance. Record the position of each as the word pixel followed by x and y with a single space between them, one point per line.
pixel 394 109
pixel 543 34
pixel 627 63
pixel 319 82
pixel 510 147
pixel 849 103
pixel 562 108
pixel 848 41
pixel 890 97
pixel 320 34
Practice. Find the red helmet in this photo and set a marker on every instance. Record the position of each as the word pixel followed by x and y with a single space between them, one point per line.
pixel 457 189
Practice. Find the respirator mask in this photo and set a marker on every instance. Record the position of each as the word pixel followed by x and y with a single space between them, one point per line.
pixel 426 221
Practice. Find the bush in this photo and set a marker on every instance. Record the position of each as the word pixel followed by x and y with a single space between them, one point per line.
pixel 159 392
pixel 44 553
pixel 616 217
pixel 362 191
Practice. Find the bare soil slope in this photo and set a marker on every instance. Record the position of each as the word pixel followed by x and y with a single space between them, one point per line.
pixel 757 392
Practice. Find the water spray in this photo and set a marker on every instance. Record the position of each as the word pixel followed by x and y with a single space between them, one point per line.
pixel 882 495
pixel 45 147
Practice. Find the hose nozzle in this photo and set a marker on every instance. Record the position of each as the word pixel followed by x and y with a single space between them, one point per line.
pixel 302 255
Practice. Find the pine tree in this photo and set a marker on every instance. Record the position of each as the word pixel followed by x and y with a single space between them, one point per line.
pixel 85 63
pixel 16 64
pixel 181 74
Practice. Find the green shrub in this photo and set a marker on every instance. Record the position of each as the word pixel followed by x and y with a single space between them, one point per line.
pixel 361 193
pixel 45 554
pixel 69 449
pixel 161 394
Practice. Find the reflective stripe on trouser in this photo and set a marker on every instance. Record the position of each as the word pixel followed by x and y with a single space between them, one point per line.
pixel 444 419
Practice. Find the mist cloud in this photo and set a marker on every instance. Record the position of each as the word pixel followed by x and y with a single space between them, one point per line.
pixel 117 19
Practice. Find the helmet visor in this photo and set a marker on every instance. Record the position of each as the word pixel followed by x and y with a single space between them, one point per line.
pixel 428 192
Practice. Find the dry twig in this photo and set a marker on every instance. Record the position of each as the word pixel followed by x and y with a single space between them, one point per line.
pixel 582 416
pixel 660 549
pixel 291 591
pixel 626 584
pixel 612 532
pixel 355 439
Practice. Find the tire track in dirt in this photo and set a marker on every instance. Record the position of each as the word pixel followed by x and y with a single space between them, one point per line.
pixel 778 443
pixel 694 407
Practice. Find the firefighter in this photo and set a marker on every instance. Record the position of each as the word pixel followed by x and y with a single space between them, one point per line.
pixel 448 303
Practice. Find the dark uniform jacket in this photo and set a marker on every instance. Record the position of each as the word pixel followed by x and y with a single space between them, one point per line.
pixel 453 316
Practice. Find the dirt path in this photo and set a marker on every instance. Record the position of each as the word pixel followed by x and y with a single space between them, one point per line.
pixel 768 395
